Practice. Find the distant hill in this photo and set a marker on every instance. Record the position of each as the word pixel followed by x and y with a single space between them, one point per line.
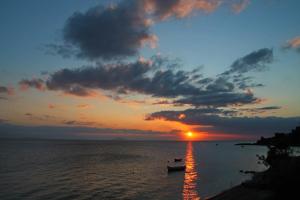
pixel 290 139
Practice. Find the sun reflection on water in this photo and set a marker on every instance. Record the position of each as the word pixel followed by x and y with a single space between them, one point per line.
pixel 190 177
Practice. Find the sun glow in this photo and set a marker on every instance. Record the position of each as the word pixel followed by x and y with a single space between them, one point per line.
pixel 189 134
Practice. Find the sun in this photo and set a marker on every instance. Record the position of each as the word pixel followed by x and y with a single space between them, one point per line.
pixel 189 134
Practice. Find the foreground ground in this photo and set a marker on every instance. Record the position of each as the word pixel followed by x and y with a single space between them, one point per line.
pixel 244 193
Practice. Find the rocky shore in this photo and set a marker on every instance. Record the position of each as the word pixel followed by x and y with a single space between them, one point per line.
pixel 281 179
pixel 242 192
pixel 278 182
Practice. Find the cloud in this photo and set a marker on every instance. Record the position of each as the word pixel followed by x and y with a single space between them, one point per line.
pixel 33 83
pixel 78 132
pixel 65 50
pixel 220 84
pixel 244 82
pixel 6 90
pixel 255 111
pixel 254 61
pixel 119 31
pixel 162 77
pixel 3 89
pixel 3 121
pixel 106 33
pixel 293 44
pixel 40 85
pixel 32 116
pixel 178 8
pixel 212 121
pixel 162 102
pixel 80 123
pixel 156 77
pixel 219 99
pixel 270 108
pixel 240 5
pixel 78 90
pixel 140 76
pixel 51 106
pixel 83 106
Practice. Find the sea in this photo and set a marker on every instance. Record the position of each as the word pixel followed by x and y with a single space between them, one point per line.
pixel 133 170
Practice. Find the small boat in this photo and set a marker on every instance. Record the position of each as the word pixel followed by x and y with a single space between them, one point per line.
pixel 176 168
pixel 177 159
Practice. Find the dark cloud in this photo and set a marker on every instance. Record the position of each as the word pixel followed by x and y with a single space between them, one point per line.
pixel 231 87
pixel 220 85
pixel 244 82
pixel 33 83
pixel 212 98
pixel 28 114
pixel 157 77
pixel 184 115
pixel 140 76
pixel 254 61
pixel 65 50
pixel 78 90
pixel 107 33
pixel 205 81
pixel 255 111
pixel 3 121
pixel 79 123
pixel 6 90
pixel 270 108
pixel 256 126
pixel 119 30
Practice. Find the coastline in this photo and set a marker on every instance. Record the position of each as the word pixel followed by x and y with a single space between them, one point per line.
pixel 242 192
pixel 280 180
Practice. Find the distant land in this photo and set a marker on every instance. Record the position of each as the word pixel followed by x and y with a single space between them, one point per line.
pixel 280 180
pixel 290 139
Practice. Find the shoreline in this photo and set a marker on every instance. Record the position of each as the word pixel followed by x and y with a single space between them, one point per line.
pixel 242 192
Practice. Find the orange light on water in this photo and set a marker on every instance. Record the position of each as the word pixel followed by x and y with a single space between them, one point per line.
pixel 190 177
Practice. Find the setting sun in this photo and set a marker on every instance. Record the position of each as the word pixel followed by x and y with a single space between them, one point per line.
pixel 189 134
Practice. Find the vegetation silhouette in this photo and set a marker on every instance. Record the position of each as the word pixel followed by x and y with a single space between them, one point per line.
pixel 282 177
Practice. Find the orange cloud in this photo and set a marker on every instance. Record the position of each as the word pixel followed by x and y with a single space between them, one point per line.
pixel 36 83
pixel 51 106
pixel 180 8
pixel 151 40
pixel 293 43
pixel 240 6
pixel 181 116
pixel 7 90
pixel 83 106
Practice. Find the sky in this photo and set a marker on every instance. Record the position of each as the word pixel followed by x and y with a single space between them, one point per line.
pixel 149 69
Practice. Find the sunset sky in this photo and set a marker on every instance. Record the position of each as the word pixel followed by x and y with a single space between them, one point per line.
pixel 149 69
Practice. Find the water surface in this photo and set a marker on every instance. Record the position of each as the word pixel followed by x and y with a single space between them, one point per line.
pixel 50 169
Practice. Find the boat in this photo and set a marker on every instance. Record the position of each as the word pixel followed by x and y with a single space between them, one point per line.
pixel 176 168
pixel 177 159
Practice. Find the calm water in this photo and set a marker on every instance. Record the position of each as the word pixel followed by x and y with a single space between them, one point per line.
pixel 120 169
